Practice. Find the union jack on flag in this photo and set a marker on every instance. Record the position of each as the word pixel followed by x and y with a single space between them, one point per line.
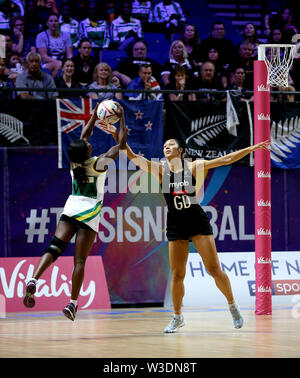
pixel 143 124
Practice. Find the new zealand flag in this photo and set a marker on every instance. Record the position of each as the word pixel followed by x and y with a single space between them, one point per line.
pixel 143 123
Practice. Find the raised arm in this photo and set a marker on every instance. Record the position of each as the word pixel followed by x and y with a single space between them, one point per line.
pixel 88 128
pixel 105 159
pixel 155 168
pixel 232 157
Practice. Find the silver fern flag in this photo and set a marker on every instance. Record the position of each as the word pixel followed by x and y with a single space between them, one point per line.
pixel 285 140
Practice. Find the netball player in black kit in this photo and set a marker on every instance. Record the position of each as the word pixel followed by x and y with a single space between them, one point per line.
pixel 186 220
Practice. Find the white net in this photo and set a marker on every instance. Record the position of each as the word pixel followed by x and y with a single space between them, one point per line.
pixel 279 59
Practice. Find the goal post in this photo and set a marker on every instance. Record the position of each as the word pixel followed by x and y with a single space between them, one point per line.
pixel 271 69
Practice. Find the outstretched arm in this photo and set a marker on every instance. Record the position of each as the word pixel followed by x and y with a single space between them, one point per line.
pixel 232 157
pixel 146 165
pixel 105 159
pixel 88 128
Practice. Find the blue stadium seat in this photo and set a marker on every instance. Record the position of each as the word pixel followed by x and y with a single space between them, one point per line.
pixel 158 45
pixel 113 57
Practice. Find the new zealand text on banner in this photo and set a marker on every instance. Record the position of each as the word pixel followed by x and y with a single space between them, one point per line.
pixel 203 130
pixel 143 123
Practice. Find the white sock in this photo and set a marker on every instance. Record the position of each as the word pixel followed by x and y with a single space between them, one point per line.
pixel 233 305
pixel 33 279
pixel 74 302
pixel 176 316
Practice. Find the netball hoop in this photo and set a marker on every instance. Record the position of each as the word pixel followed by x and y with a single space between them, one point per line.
pixel 271 69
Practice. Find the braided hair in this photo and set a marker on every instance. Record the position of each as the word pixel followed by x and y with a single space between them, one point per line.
pixel 77 153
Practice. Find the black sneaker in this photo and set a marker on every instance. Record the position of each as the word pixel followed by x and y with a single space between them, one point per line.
pixel 30 289
pixel 70 311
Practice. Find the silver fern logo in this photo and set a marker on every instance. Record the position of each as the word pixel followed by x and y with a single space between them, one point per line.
pixel 11 128
pixel 205 129
pixel 285 138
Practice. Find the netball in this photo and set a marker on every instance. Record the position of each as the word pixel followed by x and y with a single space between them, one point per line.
pixel 107 111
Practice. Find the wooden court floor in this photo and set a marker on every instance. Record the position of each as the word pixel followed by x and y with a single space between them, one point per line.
pixel 138 333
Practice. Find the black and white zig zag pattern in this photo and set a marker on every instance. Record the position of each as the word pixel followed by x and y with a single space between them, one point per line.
pixel 205 129
pixel 284 138
pixel 11 128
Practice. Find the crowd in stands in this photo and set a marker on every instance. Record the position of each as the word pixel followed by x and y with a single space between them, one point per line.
pixel 59 44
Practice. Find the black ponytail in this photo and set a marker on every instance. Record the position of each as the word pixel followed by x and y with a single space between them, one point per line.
pixel 78 153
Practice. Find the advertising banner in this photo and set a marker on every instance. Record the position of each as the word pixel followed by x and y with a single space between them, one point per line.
pixel 131 238
pixel 201 290
pixel 54 287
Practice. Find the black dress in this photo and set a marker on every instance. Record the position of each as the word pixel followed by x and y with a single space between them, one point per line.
pixel 185 217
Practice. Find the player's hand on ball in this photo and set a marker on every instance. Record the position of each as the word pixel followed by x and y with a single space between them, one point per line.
pixel 108 127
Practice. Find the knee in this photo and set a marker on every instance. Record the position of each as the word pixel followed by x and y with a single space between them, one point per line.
pixel 178 275
pixel 215 271
pixel 79 261
pixel 56 247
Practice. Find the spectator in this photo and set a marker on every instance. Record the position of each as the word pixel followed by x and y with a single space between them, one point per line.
pixel 287 97
pixel 67 81
pixel 208 81
pixel 103 80
pixel 220 72
pixel 8 44
pixel 5 82
pixel 53 45
pixel 130 66
pixel 95 28
pixel 141 10
pixel 250 35
pixel 178 56
pixel 226 48
pixel 45 8
pixel 22 43
pixel 68 24
pixel 146 81
pixel 246 61
pixel 48 4
pixel 34 77
pixel 275 36
pixel 84 63
pixel 33 23
pixel 179 80
pixel 238 83
pixel 125 30
pixel 169 16
pixel 192 43
pixel 287 25
pixel 110 9
pixel 16 66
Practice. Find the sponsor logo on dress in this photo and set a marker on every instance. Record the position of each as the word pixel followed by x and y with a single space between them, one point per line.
pixel 263 174
pixel 261 202
pixel 263 117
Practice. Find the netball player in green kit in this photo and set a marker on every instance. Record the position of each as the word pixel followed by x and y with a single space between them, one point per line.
pixel 186 220
pixel 81 213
